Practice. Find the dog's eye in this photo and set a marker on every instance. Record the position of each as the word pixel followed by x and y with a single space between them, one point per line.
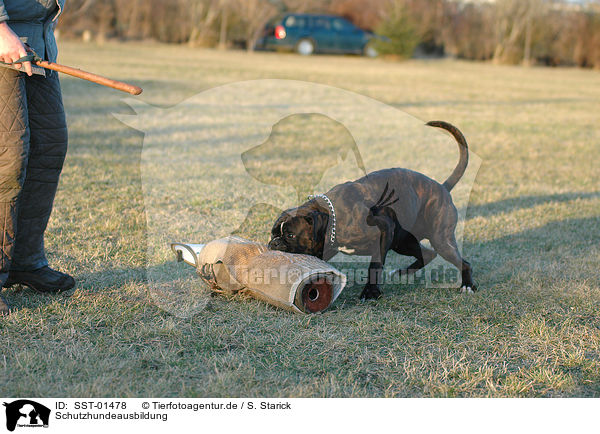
pixel 291 236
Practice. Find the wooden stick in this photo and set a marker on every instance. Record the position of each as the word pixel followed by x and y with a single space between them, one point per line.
pixel 119 85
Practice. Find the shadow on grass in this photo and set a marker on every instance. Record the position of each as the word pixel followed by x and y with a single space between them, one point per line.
pixel 523 202
pixel 22 297
pixel 550 252
pixel 492 103
pixel 84 90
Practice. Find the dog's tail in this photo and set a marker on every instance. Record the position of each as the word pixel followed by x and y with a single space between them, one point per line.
pixel 460 168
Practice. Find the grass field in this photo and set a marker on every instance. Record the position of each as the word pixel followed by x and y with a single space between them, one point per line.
pixel 532 234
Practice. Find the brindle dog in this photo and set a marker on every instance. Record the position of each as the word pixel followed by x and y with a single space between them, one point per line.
pixel 387 209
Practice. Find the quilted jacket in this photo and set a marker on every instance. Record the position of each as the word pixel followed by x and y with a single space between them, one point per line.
pixel 33 21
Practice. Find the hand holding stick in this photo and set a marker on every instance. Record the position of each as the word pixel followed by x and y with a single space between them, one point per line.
pixel 33 58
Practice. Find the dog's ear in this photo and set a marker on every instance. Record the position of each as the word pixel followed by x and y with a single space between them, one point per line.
pixel 318 220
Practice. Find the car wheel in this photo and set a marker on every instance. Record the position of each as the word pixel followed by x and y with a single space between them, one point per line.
pixel 305 47
pixel 370 51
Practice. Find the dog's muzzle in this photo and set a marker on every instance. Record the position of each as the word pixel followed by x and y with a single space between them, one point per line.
pixel 277 244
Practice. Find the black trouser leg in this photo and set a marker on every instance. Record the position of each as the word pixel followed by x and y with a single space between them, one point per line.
pixel 33 144
pixel 47 150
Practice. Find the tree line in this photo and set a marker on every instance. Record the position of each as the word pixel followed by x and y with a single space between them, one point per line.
pixel 550 32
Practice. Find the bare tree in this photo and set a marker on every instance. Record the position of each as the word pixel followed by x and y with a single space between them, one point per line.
pixel 365 14
pixel 225 6
pixel 253 15
pixel 105 12
pixel 508 31
pixel 468 32
pixel 514 27
pixel 203 15
pixel 306 6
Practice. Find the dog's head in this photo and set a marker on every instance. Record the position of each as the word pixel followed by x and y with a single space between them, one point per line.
pixel 300 230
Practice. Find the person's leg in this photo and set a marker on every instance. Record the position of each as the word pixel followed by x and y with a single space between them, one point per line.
pixel 47 150
pixel 48 147
pixel 14 150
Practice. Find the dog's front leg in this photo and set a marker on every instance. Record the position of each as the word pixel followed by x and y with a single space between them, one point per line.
pixel 386 226
pixel 371 289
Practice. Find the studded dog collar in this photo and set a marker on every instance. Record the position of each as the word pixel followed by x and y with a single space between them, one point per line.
pixel 332 211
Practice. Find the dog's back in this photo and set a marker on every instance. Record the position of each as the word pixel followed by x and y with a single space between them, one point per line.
pixel 417 197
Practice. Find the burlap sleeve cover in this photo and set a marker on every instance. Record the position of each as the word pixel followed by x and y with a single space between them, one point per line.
pixel 300 283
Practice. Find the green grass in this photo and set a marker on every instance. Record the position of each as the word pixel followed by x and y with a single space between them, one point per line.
pixel 531 233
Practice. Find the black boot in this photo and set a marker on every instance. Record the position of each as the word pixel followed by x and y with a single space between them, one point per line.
pixel 43 279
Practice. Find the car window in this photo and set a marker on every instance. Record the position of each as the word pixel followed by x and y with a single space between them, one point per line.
pixel 342 25
pixel 293 21
pixel 321 23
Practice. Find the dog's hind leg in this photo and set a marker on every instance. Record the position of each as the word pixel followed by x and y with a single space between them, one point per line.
pixel 423 255
pixel 405 243
pixel 448 249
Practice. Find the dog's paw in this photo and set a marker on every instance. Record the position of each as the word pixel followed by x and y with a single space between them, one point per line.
pixel 467 289
pixel 371 292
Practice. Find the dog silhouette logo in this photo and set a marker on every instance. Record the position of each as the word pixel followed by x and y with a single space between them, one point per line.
pixel 299 150
pixel 26 413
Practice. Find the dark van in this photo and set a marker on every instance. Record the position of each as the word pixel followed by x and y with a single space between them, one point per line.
pixel 307 34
